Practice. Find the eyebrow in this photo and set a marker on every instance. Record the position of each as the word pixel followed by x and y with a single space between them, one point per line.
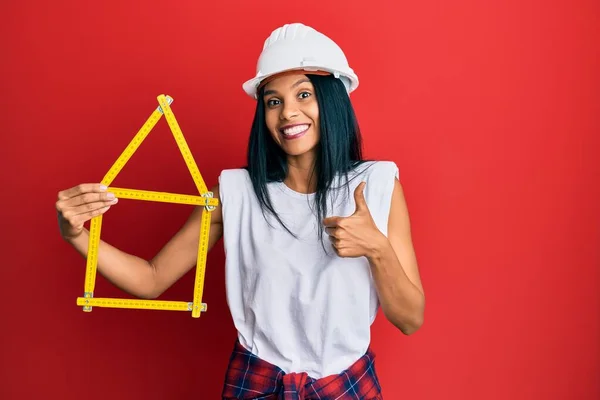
pixel 298 82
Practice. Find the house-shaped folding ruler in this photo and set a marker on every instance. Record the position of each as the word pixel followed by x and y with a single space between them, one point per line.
pixel 204 199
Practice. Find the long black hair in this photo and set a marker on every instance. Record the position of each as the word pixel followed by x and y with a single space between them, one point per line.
pixel 339 150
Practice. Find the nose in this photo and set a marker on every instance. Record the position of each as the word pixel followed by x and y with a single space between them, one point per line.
pixel 289 111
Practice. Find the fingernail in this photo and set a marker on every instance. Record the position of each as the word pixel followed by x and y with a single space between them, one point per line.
pixel 110 196
pixel 102 187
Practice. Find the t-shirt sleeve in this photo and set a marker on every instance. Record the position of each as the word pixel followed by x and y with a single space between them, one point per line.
pixel 379 190
pixel 230 194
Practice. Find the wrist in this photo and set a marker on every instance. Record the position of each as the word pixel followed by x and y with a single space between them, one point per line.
pixel 73 239
pixel 378 248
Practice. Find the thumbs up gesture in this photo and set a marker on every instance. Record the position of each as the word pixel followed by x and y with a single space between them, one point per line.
pixel 356 235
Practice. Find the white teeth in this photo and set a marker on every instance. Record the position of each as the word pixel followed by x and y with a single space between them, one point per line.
pixel 295 129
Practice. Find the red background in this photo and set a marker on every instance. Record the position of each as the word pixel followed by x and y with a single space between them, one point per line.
pixel 490 110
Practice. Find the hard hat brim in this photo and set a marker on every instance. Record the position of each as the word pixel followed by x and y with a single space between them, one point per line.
pixel 251 85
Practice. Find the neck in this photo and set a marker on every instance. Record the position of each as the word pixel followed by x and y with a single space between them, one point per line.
pixel 301 175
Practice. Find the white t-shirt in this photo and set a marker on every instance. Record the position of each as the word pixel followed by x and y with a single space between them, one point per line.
pixel 292 304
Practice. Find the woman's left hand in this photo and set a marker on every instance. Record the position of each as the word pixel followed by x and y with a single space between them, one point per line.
pixel 356 235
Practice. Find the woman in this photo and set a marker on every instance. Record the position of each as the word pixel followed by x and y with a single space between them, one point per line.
pixel 316 238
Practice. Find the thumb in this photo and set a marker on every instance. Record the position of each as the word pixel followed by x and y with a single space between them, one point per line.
pixel 359 198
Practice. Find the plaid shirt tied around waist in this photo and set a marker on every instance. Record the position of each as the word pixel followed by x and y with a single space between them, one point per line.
pixel 249 377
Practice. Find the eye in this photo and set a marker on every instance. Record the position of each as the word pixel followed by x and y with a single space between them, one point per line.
pixel 272 102
pixel 304 95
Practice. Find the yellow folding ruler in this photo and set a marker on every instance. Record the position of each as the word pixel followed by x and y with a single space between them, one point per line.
pixel 205 199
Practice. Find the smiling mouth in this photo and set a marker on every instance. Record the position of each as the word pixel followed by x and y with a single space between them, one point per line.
pixel 295 131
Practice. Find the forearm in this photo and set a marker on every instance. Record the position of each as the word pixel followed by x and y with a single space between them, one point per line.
pixel 401 301
pixel 130 273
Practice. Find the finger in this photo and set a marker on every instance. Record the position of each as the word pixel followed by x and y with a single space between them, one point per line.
pixel 78 219
pixel 88 198
pixel 331 222
pixel 338 234
pixel 359 197
pixel 334 241
pixel 90 207
pixel 81 189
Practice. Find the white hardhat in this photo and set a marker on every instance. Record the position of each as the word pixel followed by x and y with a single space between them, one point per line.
pixel 300 47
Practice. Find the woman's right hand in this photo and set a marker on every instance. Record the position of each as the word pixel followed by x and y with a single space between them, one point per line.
pixel 77 205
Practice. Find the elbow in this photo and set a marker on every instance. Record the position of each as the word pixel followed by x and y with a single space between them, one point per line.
pixel 150 289
pixel 153 293
pixel 148 295
pixel 411 325
pixel 410 322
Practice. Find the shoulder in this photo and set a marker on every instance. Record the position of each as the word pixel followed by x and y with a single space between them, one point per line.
pixel 377 171
pixel 233 185
pixel 233 177
pixel 233 173
pixel 388 167
pixel 381 178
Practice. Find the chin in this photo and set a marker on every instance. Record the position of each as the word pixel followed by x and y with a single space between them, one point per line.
pixel 298 150
pixel 298 147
